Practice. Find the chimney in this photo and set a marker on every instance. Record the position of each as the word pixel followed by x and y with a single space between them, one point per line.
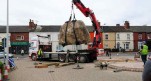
pixel 117 25
pixel 126 25
pixel 32 25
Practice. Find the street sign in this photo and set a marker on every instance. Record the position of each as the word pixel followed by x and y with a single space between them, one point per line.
pixel 4 42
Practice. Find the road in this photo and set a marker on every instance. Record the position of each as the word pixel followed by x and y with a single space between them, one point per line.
pixel 27 72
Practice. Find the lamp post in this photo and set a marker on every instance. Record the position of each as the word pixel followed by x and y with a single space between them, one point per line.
pixel 7 33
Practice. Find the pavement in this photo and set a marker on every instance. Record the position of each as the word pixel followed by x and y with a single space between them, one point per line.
pixel 27 72
pixel 122 62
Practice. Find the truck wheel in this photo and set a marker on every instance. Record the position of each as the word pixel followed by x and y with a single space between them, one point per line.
pixel 83 59
pixel 33 57
pixel 62 57
pixel 72 58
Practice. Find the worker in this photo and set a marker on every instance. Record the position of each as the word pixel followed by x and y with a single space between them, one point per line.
pixel 144 53
pixel 22 52
pixel 40 53
pixel 107 53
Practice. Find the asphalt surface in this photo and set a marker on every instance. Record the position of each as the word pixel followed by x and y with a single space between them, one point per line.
pixel 27 72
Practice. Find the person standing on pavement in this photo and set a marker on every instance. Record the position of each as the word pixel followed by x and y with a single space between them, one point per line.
pixel 22 52
pixel 107 53
pixel 144 53
pixel 40 53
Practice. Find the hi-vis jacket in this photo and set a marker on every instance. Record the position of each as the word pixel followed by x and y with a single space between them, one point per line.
pixel 40 52
pixel 144 51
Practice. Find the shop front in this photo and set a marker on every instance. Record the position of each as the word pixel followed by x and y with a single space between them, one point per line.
pixel 16 47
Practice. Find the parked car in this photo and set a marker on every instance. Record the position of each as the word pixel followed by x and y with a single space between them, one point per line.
pixel 2 55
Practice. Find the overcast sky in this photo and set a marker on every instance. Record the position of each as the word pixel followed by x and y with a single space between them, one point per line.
pixel 56 12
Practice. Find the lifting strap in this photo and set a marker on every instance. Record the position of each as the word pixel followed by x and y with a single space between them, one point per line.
pixel 73 20
pixel 76 42
pixel 66 33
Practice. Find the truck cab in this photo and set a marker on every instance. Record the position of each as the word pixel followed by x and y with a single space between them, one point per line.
pixel 36 43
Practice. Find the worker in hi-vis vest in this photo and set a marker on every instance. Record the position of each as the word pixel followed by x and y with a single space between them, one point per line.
pixel 40 53
pixel 144 53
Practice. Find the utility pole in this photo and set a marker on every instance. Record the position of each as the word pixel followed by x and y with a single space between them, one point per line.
pixel 7 34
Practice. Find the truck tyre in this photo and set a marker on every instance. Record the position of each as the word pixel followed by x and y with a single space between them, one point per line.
pixel 33 57
pixel 72 58
pixel 83 59
pixel 62 57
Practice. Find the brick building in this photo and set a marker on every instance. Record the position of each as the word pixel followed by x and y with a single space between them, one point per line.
pixel 19 38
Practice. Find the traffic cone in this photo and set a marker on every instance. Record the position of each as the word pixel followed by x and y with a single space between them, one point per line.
pixel 6 73
pixel 0 75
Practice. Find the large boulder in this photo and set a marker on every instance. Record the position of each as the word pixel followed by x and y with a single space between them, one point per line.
pixel 74 32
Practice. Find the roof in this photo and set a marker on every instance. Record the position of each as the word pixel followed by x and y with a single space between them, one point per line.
pixel 115 29
pixel 120 29
pixel 140 28
pixel 50 28
pixel 47 28
pixel 110 29
pixel 56 28
pixel 14 29
pixel 90 28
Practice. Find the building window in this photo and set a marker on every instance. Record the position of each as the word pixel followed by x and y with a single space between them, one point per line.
pixel 59 48
pixel 118 45
pixel 128 36
pixel 118 36
pixel 127 45
pixel 148 36
pixel 139 36
pixel 106 36
pixel 140 44
pixel 106 45
pixel 19 37
pixel 49 37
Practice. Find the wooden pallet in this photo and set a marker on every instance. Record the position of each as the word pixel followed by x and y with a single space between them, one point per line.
pixel 116 60
pixel 63 64
pixel 52 63
pixel 57 64
pixel 41 66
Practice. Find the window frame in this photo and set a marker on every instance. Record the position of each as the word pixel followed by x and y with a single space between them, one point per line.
pixel 106 36
pixel 140 36
pixel 118 36
pixel 127 45
pixel 106 45
pixel 148 35
pixel 128 36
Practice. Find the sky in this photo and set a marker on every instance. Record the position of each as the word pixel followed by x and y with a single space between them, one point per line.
pixel 56 12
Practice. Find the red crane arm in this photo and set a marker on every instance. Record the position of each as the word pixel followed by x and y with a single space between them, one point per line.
pixel 88 13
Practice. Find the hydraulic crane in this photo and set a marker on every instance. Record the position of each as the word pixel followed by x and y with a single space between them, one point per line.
pixel 88 13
